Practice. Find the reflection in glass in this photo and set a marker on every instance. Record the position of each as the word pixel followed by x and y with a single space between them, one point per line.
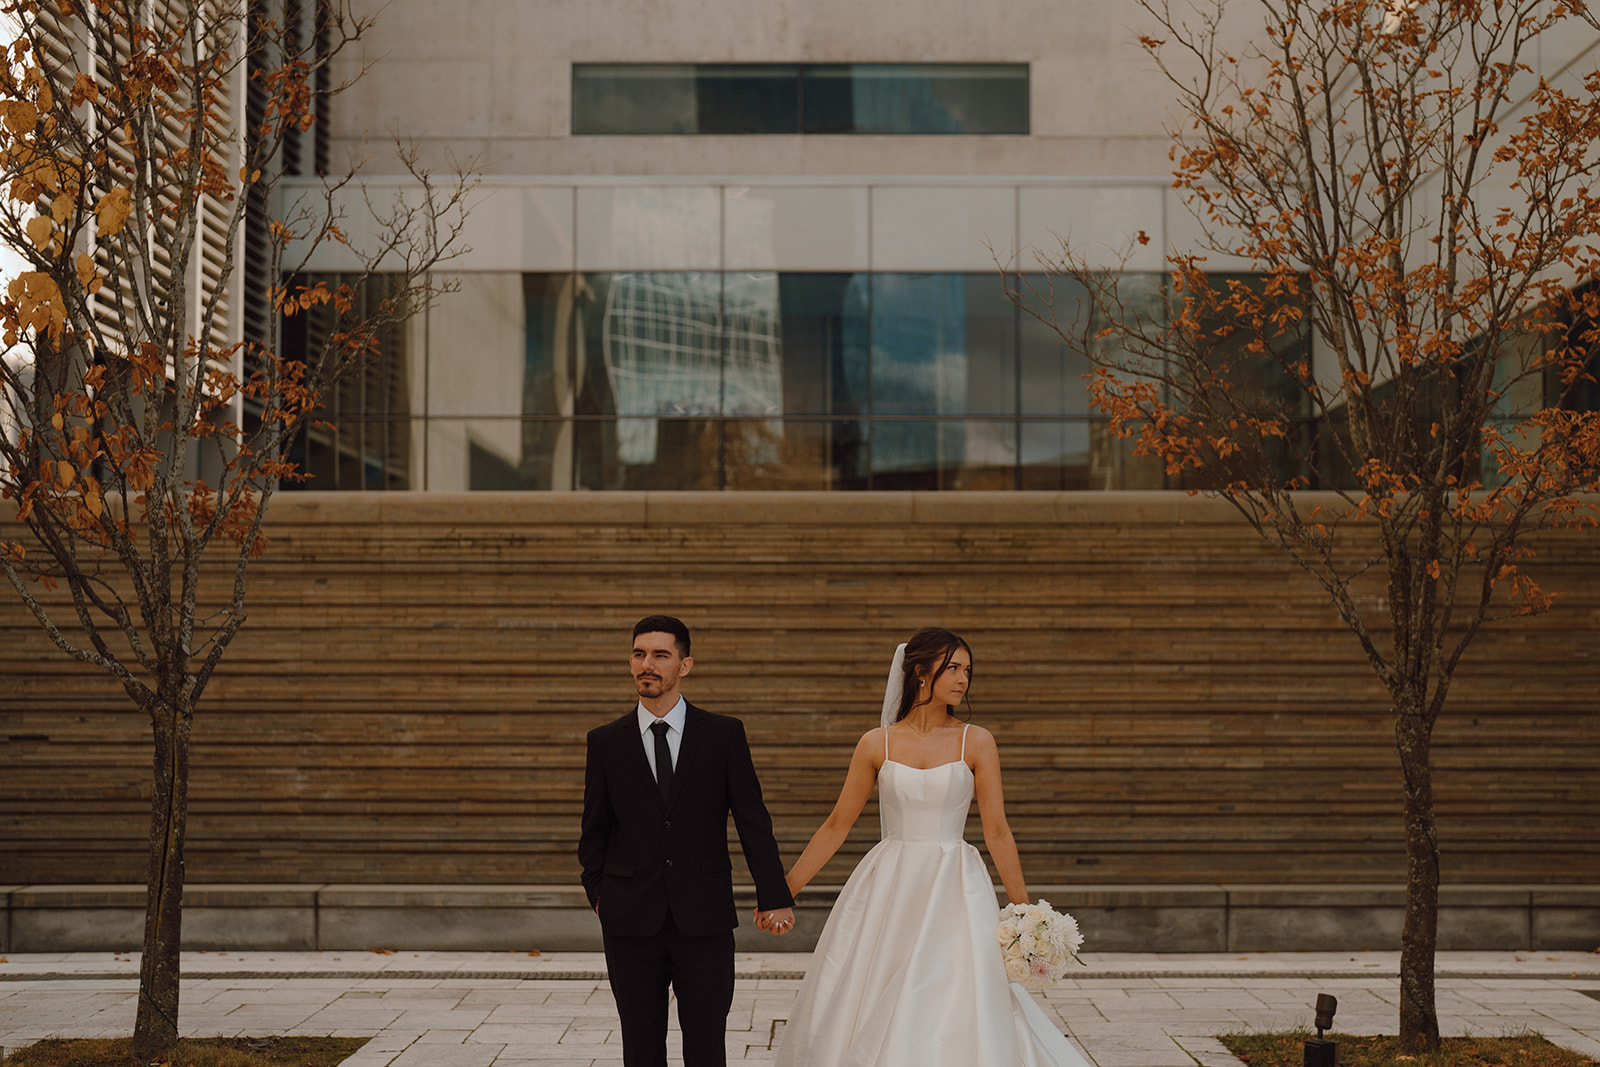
pixel 1055 455
pixel 360 436
pixel 753 368
pixel 942 344
pixel 353 453
pixel 944 454
pixel 477 345
pixel 613 98
pixel 913 98
pixel 782 98
pixel 548 385
pixel 652 346
pixel 684 454
pixel 1052 373
pixel 824 328
pixel 742 380
pixel 791 454
pixel 733 98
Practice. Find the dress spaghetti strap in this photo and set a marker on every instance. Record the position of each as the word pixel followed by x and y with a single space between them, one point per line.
pixel 886 743
pixel 964 729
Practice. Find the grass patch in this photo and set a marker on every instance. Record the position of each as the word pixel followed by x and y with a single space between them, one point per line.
pixel 190 1052
pixel 1521 1050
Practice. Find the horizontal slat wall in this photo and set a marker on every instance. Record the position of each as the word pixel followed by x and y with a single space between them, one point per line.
pixel 1175 702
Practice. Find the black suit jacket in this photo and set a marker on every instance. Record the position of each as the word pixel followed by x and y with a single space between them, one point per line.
pixel 642 856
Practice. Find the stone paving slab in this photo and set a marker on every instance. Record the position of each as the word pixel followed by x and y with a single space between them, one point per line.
pixel 442 1009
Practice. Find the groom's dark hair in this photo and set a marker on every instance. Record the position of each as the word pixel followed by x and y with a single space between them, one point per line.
pixel 665 624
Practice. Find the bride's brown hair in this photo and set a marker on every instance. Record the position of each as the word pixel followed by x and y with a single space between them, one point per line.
pixel 928 646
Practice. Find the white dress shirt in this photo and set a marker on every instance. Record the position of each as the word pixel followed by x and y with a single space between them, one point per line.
pixel 674 720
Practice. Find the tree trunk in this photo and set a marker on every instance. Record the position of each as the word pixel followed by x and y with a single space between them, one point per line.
pixel 1419 938
pixel 156 1025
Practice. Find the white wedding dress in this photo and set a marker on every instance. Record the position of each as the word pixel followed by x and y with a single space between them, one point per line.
pixel 908 972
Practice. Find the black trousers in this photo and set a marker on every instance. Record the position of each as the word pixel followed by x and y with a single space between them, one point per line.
pixel 700 972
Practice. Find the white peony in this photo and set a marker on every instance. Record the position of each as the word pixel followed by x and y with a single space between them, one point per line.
pixel 1037 943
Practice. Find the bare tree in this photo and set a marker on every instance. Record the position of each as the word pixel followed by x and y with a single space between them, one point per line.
pixel 1415 334
pixel 143 435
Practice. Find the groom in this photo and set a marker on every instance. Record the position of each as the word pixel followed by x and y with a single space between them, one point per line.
pixel 658 787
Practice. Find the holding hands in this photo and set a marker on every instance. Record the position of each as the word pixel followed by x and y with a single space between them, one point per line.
pixel 776 922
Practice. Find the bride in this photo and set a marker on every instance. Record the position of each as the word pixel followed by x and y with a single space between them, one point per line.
pixel 908 972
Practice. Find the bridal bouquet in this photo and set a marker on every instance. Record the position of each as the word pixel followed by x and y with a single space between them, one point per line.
pixel 1037 943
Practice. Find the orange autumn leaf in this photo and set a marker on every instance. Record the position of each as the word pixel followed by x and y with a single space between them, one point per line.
pixel 141 467
pixel 87 276
pixel 20 116
pixel 40 230
pixel 84 89
pixel 38 301
pixel 113 210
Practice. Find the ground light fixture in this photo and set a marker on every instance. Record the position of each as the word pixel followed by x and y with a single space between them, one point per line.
pixel 1320 1052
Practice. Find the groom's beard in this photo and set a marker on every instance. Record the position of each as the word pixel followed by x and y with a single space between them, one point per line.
pixel 649 685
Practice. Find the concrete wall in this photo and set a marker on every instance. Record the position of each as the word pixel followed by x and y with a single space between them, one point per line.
pixel 1193 918
pixel 491 80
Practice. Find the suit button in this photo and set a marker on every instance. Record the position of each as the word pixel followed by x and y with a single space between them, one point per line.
pixel 669 863
pixel 668 824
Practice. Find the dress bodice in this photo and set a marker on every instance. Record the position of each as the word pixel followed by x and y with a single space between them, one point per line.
pixel 908 972
pixel 924 804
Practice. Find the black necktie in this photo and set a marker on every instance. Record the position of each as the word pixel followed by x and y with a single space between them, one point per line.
pixel 663 758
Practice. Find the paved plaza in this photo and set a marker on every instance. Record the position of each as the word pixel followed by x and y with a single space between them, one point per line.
pixel 478 1009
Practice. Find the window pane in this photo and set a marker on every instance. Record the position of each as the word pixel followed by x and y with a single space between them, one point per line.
pixel 792 454
pixel 499 454
pixel 991 346
pixel 747 98
pixel 1055 455
pixel 753 378
pixel 1052 373
pixel 547 387
pixel 824 343
pixel 908 98
pixel 634 98
pixel 360 436
pixel 651 345
pixel 635 453
pixel 1113 465
pixel 355 454
pixel 942 344
pixel 500 344
pixel 944 454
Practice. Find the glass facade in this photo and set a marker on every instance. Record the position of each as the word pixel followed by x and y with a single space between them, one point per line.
pixel 364 436
pixel 726 380
pixel 790 98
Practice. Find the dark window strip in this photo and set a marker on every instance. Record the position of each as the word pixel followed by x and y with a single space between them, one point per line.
pixel 791 98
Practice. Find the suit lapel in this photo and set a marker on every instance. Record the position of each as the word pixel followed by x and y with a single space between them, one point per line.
pixel 688 748
pixel 634 742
